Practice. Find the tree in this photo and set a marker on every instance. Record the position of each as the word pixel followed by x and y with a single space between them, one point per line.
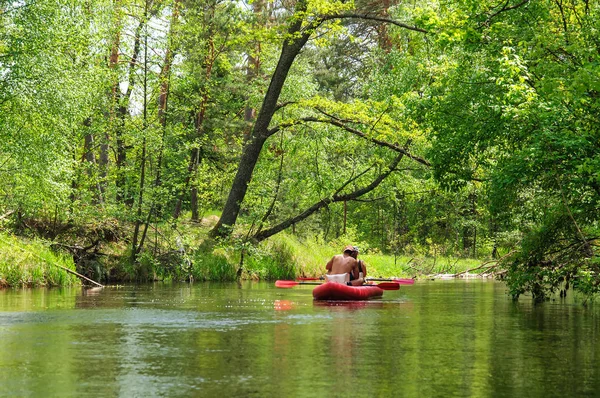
pixel 47 83
pixel 513 104
pixel 301 25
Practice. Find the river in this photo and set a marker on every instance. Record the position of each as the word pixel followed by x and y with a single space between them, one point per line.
pixel 457 338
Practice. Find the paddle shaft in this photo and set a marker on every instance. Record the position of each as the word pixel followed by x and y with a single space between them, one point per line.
pixel 289 284
pixel 402 281
pixel 405 281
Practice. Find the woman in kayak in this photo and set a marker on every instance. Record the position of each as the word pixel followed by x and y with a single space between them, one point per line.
pixel 343 268
pixel 362 268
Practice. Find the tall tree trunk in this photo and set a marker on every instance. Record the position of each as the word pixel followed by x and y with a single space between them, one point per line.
pixel 122 106
pixel 165 72
pixel 135 248
pixel 90 158
pixel 195 154
pixel 164 89
pixel 113 62
pixel 253 69
pixel 163 96
pixel 383 37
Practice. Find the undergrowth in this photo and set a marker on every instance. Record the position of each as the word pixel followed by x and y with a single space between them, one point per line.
pixel 32 263
pixel 186 255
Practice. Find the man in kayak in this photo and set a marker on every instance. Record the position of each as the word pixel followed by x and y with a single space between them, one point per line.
pixel 343 268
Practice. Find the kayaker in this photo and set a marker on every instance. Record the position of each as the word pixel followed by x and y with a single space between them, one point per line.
pixel 362 267
pixel 343 268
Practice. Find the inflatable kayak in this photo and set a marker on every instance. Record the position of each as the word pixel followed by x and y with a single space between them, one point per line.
pixel 338 291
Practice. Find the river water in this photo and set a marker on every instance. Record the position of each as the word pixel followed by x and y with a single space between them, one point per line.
pixel 432 339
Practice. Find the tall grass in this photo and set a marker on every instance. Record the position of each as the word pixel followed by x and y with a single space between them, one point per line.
pixel 309 258
pixel 403 266
pixel 212 264
pixel 271 261
pixel 31 263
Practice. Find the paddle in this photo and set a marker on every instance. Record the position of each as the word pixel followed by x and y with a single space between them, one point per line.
pixel 405 281
pixel 289 284
pixel 402 281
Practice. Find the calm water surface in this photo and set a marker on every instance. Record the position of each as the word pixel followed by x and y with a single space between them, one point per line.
pixel 432 339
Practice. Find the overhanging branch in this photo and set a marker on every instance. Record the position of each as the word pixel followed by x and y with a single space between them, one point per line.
pixel 376 18
pixel 341 124
pixel 337 197
pixel 394 147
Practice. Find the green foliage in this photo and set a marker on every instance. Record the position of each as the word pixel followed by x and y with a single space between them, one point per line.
pixel 586 283
pixel 551 254
pixel 500 99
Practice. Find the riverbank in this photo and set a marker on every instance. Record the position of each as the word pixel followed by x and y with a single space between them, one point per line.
pixel 36 262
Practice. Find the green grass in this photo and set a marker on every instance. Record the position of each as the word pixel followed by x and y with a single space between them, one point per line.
pixel 285 256
pixel 403 266
pixel 31 263
pixel 309 259
pixel 212 266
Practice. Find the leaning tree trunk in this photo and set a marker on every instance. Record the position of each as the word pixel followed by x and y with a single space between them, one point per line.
pixel 291 48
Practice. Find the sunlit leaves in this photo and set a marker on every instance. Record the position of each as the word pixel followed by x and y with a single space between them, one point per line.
pixel 517 107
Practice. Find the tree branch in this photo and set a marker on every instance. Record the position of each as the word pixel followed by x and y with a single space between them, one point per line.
pixel 340 123
pixel 494 263
pixel 2 217
pixel 394 147
pixel 277 188
pixel 504 8
pixel 337 197
pixel 376 18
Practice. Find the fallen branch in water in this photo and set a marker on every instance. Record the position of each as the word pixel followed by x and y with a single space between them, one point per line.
pixel 77 274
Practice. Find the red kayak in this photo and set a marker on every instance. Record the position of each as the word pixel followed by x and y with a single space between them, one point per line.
pixel 339 291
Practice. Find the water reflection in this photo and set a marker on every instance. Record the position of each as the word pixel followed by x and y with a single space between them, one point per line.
pixel 283 305
pixel 448 338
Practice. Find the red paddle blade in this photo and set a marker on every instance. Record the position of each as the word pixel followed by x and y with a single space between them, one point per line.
pixel 388 285
pixel 309 279
pixel 286 284
pixel 401 281
pixel 290 284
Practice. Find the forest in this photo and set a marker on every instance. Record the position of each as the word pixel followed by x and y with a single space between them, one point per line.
pixel 171 139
